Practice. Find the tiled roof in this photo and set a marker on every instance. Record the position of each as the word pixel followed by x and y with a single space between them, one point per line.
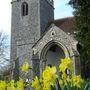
pixel 66 24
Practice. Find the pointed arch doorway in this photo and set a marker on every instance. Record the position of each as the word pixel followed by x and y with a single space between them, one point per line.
pixel 51 54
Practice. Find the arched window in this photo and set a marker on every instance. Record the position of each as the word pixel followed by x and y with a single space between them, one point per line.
pixel 24 9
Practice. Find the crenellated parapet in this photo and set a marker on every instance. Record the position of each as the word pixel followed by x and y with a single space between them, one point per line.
pixel 51 2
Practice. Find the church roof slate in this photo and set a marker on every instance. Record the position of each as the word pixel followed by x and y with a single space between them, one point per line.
pixel 66 24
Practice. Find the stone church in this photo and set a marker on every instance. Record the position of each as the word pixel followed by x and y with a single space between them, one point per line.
pixel 39 39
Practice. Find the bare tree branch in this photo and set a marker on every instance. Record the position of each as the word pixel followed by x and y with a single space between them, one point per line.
pixel 3 44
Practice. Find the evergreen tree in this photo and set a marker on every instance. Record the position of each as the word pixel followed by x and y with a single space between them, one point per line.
pixel 82 17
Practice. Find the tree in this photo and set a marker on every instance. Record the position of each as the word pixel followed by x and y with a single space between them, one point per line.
pixel 82 17
pixel 4 62
pixel 3 44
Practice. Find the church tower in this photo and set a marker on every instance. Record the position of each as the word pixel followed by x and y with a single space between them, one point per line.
pixel 29 19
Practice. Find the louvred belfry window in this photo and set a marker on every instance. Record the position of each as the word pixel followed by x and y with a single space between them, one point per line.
pixel 24 9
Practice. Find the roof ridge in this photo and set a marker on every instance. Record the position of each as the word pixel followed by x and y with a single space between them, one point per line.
pixel 63 18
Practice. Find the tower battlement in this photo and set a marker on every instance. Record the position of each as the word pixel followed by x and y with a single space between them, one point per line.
pixel 51 2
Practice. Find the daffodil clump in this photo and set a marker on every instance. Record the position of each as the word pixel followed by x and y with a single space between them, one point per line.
pixel 49 80
pixel 52 81
pixel 3 85
pixel 77 81
pixel 65 68
pixel 67 77
pixel 16 85
pixel 12 85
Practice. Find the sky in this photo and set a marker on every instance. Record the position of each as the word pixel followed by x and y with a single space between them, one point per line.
pixel 61 10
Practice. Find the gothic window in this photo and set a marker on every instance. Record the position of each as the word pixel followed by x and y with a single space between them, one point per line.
pixel 24 9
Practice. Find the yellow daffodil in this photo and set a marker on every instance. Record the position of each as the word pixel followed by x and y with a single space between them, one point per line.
pixel 46 86
pixel 2 85
pixel 25 67
pixel 49 74
pixel 20 84
pixel 49 77
pixel 77 81
pixel 65 64
pixel 11 85
pixel 36 83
